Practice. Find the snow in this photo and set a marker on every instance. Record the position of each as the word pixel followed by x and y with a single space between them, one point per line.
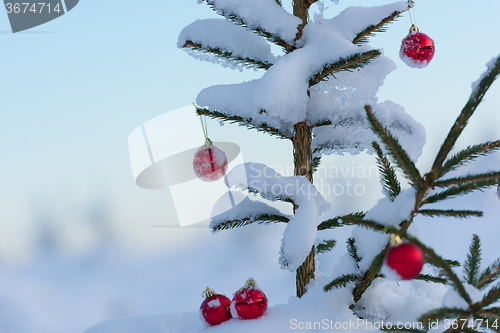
pixel 247 208
pixel 227 37
pixel 266 14
pixel 355 19
pixel 300 233
pixel 489 65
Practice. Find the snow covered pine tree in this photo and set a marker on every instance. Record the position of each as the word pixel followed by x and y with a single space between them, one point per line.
pixel 298 98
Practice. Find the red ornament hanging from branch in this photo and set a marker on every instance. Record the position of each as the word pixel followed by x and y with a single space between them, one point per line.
pixel 405 260
pixel 215 308
pixel 417 49
pixel 209 163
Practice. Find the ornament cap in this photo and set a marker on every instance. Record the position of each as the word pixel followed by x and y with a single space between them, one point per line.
pixel 208 142
pixel 209 292
pixel 414 28
pixel 395 240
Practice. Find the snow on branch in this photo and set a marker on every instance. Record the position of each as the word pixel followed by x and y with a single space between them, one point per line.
pixel 227 41
pixel 300 233
pixel 266 17
pixel 356 23
pixel 282 133
pixel 246 212
pixel 344 64
pixel 351 133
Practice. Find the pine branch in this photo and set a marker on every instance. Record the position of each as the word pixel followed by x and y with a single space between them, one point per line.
pixel 491 297
pixel 353 251
pixel 337 221
pixel 489 275
pixel 473 261
pixel 262 218
pixel 325 246
pixel 344 64
pixel 459 190
pixel 462 120
pixel 246 122
pixel 494 176
pixel 248 62
pixel 342 281
pixel 362 37
pixel 370 275
pixel 467 155
pixel 350 220
pixel 431 278
pixel 440 314
pixel 436 260
pixel 397 152
pixel 316 161
pixel 391 183
pixel 451 213
pixel 258 30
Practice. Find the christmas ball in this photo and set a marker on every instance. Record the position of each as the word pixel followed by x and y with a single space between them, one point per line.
pixel 417 49
pixel 215 308
pixel 209 163
pixel 406 259
pixel 249 302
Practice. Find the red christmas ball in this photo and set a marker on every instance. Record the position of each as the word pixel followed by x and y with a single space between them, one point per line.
pixel 417 49
pixel 209 163
pixel 249 302
pixel 406 259
pixel 215 308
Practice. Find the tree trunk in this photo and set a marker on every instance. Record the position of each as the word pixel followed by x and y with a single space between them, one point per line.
pixel 303 167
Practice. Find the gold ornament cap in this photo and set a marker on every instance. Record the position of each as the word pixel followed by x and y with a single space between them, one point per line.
pixel 413 28
pixel 209 292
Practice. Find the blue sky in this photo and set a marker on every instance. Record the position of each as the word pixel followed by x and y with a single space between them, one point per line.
pixel 73 89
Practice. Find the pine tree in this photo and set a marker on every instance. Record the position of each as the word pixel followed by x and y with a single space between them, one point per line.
pixel 321 56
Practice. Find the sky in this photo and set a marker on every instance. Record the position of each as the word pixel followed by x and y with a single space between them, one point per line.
pixel 74 89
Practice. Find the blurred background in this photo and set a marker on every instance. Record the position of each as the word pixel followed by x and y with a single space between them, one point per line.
pixel 81 243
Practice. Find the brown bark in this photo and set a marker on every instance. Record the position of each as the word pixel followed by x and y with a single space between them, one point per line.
pixel 303 167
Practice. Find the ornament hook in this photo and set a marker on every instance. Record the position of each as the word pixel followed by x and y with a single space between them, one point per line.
pixel 209 292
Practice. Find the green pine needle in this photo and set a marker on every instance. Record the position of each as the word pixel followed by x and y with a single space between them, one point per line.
pixel 473 262
pixel 342 281
pixel 337 221
pixel 451 213
pixel 362 37
pixel 348 64
pixel 493 176
pixel 258 30
pixel 325 246
pixel 395 150
pixel 462 120
pixel 214 114
pixel 459 190
pixel 248 62
pixel 353 251
pixel 489 275
pixel 431 278
pixel 388 174
pixel 262 218
pixel 467 155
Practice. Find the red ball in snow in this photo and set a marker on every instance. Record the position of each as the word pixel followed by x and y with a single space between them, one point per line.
pixel 215 308
pixel 249 302
pixel 209 163
pixel 417 49
pixel 406 259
